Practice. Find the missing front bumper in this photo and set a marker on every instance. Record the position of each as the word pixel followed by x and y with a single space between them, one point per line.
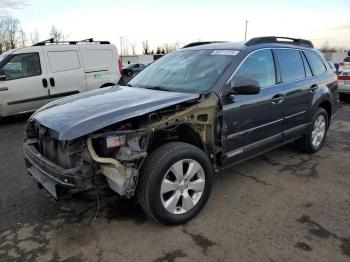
pixel 51 176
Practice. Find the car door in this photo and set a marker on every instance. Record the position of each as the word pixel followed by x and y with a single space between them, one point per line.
pixel 298 90
pixel 66 73
pixel 25 87
pixel 252 123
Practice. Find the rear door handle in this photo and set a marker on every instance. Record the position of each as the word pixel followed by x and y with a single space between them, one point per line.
pixel 52 82
pixel 313 88
pixel 277 99
pixel 3 89
pixel 44 81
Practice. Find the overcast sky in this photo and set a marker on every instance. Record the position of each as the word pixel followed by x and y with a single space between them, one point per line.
pixel 161 21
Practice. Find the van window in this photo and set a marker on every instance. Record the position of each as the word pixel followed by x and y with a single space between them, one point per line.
pixel 98 59
pixel 63 60
pixel 22 66
pixel 258 67
pixel 291 64
pixel 316 64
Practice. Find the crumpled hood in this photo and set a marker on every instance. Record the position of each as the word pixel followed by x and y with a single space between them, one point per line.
pixel 81 114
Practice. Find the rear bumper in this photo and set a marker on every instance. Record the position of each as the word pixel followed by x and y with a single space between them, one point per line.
pixel 51 176
pixel 344 89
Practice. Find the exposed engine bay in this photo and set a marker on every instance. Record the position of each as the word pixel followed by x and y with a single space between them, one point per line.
pixel 118 151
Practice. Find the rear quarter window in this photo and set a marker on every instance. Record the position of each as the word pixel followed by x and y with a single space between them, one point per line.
pixel 291 64
pixel 98 59
pixel 347 59
pixel 316 64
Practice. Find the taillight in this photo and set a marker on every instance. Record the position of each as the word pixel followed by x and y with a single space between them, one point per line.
pixel 343 77
pixel 120 66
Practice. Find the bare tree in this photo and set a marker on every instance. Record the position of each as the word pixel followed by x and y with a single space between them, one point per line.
pixel 57 34
pixel 34 37
pixel 2 35
pixel 168 48
pixel 133 48
pixel 22 38
pixel 146 48
pixel 9 33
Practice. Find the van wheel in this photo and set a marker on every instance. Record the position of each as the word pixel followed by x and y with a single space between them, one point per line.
pixel 314 139
pixel 175 183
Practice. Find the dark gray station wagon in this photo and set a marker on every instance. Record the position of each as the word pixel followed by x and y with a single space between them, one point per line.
pixel 186 116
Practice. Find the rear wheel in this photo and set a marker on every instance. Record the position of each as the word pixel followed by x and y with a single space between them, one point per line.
pixel 175 183
pixel 314 139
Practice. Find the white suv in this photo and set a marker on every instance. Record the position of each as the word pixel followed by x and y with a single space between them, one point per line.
pixel 33 76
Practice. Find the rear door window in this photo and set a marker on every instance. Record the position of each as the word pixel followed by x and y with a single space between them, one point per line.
pixel 317 66
pixel 291 64
pixel 63 60
pixel 258 67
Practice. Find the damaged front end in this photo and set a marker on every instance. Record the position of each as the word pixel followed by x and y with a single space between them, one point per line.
pixel 112 157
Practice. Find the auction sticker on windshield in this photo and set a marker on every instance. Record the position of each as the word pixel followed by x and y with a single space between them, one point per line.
pixel 225 52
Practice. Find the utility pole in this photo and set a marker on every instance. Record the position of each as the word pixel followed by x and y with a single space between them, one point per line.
pixel 121 49
pixel 246 29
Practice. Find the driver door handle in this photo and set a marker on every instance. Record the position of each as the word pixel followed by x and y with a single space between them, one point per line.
pixel 277 99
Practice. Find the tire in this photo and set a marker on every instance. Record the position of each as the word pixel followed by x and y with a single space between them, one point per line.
pixel 156 174
pixel 307 143
pixel 129 73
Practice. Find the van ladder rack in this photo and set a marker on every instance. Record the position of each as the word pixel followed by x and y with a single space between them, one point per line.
pixel 52 41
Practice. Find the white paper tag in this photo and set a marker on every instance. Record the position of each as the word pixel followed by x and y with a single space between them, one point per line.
pixel 225 52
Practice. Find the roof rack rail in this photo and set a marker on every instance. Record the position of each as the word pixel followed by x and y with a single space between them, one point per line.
pixel 52 41
pixel 279 40
pixel 202 43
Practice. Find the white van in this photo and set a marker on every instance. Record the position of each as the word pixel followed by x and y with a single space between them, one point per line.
pixel 33 76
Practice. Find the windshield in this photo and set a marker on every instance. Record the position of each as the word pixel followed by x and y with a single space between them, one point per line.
pixel 184 71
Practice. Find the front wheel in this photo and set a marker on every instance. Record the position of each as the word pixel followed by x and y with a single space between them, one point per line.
pixel 175 183
pixel 314 139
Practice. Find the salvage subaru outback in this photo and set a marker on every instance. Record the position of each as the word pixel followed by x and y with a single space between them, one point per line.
pixel 188 115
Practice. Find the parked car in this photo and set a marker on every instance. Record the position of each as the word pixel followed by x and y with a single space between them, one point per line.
pixel 344 85
pixel 345 64
pixel 192 113
pixel 32 76
pixel 132 69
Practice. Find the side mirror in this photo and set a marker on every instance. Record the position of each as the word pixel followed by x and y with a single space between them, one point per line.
pixel 2 74
pixel 246 86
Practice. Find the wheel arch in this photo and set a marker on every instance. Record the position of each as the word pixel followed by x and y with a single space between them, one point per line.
pixel 326 105
pixel 106 85
pixel 182 133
